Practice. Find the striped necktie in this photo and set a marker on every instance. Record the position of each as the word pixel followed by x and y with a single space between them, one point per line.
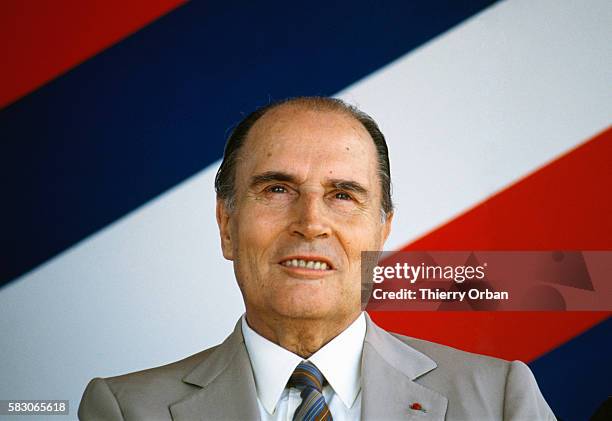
pixel 307 377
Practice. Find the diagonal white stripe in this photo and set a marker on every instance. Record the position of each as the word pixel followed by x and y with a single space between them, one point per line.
pixel 487 103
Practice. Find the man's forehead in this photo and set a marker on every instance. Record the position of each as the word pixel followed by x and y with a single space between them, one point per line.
pixel 288 119
pixel 324 139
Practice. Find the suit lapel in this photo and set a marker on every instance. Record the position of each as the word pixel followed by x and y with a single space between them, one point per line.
pixel 389 369
pixel 228 388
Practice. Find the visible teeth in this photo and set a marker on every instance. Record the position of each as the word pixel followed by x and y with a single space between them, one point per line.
pixel 307 264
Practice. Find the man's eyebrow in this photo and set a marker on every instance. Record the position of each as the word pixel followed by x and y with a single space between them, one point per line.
pixel 349 185
pixel 337 183
pixel 269 176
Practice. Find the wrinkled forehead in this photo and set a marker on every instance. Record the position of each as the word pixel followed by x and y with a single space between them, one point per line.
pixel 309 142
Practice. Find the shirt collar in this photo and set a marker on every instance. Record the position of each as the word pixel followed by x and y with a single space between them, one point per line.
pixel 339 361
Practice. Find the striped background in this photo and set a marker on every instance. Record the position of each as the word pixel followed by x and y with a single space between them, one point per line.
pixel 113 118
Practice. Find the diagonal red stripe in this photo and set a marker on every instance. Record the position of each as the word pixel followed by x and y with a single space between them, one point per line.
pixel 43 39
pixel 565 205
pixel 510 335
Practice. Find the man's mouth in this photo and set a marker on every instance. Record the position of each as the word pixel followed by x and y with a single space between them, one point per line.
pixel 306 264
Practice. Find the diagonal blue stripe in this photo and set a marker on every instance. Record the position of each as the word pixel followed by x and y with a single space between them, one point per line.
pixel 575 378
pixel 153 110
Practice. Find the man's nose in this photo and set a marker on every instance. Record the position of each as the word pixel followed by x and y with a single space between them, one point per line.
pixel 311 220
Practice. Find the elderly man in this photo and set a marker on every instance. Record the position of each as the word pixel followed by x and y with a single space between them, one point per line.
pixel 304 187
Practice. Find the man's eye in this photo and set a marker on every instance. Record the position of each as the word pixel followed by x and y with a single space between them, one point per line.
pixel 277 189
pixel 343 196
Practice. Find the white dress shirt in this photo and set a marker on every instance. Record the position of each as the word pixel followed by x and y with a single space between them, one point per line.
pixel 339 361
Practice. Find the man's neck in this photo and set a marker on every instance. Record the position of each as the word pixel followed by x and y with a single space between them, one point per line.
pixel 303 337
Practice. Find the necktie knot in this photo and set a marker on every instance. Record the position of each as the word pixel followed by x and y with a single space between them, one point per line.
pixel 307 375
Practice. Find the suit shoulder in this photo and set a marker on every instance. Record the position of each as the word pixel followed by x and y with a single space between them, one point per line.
pixel 172 372
pixel 144 394
pixel 460 361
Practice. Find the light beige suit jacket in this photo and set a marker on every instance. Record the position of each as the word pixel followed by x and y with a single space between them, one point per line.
pixel 397 371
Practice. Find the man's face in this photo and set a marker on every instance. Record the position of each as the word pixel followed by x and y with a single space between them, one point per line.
pixel 308 201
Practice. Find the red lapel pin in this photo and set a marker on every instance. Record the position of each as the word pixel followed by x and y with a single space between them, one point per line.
pixel 417 407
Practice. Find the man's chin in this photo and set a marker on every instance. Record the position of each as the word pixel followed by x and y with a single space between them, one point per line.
pixel 305 311
pixel 315 311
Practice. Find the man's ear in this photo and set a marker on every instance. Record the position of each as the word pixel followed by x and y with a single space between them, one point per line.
pixel 386 229
pixel 223 221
